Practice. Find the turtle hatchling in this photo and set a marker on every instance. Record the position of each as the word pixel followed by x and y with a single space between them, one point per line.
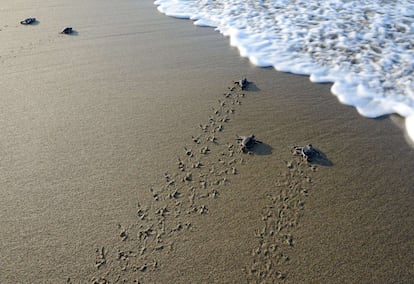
pixel 67 31
pixel 28 21
pixel 307 152
pixel 242 83
pixel 247 142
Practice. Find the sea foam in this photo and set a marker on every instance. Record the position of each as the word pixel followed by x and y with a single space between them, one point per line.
pixel 365 48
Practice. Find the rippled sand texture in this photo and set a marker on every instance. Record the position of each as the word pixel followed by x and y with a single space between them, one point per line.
pixel 119 160
pixel 202 170
pixel 205 168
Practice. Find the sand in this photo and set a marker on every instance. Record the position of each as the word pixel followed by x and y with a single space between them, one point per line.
pixel 119 160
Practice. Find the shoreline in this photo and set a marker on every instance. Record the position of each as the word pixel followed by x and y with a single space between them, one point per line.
pixel 104 115
pixel 369 101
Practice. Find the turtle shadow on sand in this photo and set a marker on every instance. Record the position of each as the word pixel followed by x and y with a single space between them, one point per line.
pixel 320 159
pixel 311 155
pixel 74 33
pixel 249 144
pixel 261 149
pixel 251 87
pixel 34 23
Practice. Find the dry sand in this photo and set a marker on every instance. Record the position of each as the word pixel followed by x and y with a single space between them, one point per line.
pixel 98 182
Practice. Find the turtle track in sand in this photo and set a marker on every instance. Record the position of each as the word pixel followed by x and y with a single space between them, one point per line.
pixel 276 238
pixel 202 171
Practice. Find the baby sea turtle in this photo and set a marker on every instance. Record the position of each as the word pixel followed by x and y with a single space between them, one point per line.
pixel 28 21
pixel 67 31
pixel 247 142
pixel 242 83
pixel 307 152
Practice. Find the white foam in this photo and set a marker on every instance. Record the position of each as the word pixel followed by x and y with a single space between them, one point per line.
pixel 366 48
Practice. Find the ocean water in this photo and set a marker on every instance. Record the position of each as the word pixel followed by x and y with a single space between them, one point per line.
pixel 364 47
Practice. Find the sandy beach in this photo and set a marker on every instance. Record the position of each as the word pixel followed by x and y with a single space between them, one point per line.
pixel 119 160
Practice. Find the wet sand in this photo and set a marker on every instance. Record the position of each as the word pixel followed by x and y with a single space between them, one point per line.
pixel 119 160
